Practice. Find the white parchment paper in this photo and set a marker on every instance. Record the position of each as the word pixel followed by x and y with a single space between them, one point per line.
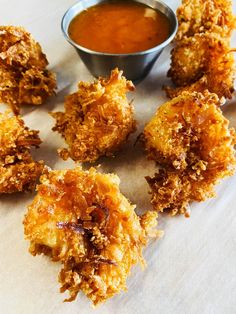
pixel 191 270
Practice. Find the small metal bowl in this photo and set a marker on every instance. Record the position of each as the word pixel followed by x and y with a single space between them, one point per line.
pixel 136 66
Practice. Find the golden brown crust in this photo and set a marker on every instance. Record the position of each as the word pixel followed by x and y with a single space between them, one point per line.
pixel 81 219
pixel 200 16
pixel 24 78
pixel 97 120
pixel 191 139
pixel 18 171
pixel 202 62
pixel 202 57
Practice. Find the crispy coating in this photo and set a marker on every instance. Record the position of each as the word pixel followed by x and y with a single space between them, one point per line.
pixel 197 49
pixel 81 219
pixel 24 78
pixel 202 57
pixel 201 62
pixel 18 171
pixel 191 139
pixel 97 119
pixel 200 16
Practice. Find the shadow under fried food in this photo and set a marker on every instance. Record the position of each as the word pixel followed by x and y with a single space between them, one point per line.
pixel 47 152
pixel 229 111
pixel 65 80
pixel 191 139
pixel 81 219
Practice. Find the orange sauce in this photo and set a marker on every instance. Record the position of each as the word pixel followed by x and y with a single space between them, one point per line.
pixel 119 27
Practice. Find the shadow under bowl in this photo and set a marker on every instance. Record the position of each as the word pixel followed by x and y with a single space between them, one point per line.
pixel 136 66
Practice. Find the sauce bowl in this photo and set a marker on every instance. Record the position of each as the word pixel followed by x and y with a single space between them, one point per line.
pixel 136 66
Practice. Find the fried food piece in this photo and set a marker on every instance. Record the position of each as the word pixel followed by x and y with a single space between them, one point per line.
pixel 24 78
pixel 97 120
pixel 202 62
pixel 196 51
pixel 18 170
pixel 191 139
pixel 199 16
pixel 202 58
pixel 81 219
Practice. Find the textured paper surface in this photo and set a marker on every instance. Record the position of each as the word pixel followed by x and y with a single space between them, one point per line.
pixel 192 269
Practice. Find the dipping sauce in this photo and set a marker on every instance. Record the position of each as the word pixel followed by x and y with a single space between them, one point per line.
pixel 119 27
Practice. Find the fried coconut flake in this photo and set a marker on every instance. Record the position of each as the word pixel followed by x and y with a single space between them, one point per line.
pixel 200 16
pixel 81 219
pixel 191 139
pixel 24 78
pixel 97 119
pixel 204 61
pixel 18 171
pixel 202 57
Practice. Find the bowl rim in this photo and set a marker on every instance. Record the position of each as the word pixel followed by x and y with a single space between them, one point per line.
pixel 143 52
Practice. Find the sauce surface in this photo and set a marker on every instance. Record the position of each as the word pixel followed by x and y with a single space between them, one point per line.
pixel 119 27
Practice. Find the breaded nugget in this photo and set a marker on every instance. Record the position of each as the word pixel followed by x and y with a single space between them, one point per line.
pixel 201 62
pixel 202 58
pixel 24 78
pixel 97 119
pixel 200 16
pixel 189 59
pixel 81 219
pixel 191 139
pixel 18 171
